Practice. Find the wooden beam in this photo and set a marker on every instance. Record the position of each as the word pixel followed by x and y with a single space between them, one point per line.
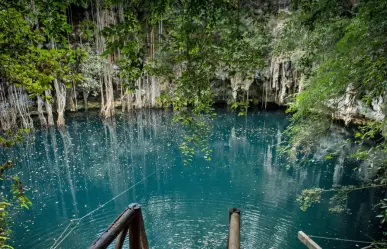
pixel 310 244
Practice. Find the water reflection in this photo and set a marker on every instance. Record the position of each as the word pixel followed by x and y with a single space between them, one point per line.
pixel 73 171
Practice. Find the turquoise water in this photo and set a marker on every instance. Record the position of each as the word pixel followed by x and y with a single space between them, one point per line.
pixel 72 172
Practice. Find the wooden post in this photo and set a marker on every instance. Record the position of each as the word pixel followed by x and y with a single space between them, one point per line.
pixel 137 234
pixel 234 229
pixel 310 244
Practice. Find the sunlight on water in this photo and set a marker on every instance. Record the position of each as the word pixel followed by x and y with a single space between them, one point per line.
pixel 70 173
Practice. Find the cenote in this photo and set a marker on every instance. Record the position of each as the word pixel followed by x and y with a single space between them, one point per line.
pixel 73 171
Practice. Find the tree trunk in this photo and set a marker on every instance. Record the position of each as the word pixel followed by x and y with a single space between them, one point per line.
pixel 42 119
pixel 50 118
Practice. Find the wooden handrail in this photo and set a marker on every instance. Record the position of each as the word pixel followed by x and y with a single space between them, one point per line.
pixel 306 240
pixel 131 221
pixel 234 240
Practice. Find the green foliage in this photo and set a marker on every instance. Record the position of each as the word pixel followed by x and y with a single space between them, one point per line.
pixel 339 49
pixel 338 199
pixel 21 59
pixel 25 59
pixel 18 192
pixel 4 232
pixel 88 29
pixel 383 211
pixel 91 70
pixel 199 38
pixel 308 197
pixel 7 140
pixel 205 38
pixel 34 50
pixel 164 100
pixel 242 106
pixel 347 54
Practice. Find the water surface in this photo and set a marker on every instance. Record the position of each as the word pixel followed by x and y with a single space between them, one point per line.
pixel 70 173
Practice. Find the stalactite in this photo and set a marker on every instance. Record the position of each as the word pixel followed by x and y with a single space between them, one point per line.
pixel 19 100
pixel 122 96
pixel 235 84
pixel 60 90
pixel 75 97
pixel 85 94
pixel 104 17
pixel 123 104
pixel 70 105
pixel 147 92
pixel 42 119
pixel 108 110
pixel 138 94
pixel 154 90
pixel 14 99
pixel 7 112
pixel 267 83
pixel 247 99
pixel 129 100
pixel 283 83
pixel 101 90
pixel 50 118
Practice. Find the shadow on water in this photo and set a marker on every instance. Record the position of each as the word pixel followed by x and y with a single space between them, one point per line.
pixel 73 171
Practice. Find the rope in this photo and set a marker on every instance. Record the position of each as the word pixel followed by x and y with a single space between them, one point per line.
pixel 59 240
pixel 346 240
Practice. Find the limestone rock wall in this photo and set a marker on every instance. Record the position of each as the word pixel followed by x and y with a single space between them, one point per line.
pixel 277 84
pixel 353 110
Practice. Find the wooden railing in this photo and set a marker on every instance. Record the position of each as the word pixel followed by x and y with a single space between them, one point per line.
pixel 131 221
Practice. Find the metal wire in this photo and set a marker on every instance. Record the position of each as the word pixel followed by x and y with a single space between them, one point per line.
pixel 346 240
pixel 59 240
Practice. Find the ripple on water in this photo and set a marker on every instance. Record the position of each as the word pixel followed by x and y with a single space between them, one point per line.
pixel 183 206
